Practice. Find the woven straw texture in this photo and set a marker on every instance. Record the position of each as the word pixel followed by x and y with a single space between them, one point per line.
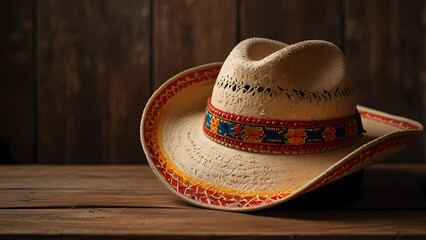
pixel 211 175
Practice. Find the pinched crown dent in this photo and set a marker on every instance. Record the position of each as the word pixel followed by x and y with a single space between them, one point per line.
pixel 267 79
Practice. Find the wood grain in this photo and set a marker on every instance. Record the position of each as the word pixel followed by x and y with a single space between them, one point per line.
pixel 291 21
pixel 115 202
pixel 136 186
pixel 89 186
pixel 191 223
pixel 189 33
pixel 79 99
pixel 17 82
pixel 93 80
pixel 386 50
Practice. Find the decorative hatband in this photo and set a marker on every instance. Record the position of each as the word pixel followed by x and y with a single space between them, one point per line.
pixel 276 136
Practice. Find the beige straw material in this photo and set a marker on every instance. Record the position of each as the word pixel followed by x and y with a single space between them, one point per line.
pixel 213 163
pixel 191 158
pixel 267 79
pixel 250 83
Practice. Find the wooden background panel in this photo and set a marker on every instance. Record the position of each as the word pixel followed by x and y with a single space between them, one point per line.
pixel 93 80
pixel 386 50
pixel 292 21
pixel 96 63
pixel 188 33
pixel 16 82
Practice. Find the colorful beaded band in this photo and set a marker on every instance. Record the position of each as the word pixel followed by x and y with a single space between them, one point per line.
pixel 275 136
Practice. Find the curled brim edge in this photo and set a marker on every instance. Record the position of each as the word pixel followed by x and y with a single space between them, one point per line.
pixel 401 131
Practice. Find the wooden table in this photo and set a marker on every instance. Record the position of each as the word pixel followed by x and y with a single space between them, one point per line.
pixel 115 202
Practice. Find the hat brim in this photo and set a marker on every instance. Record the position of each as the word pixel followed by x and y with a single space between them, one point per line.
pixel 208 174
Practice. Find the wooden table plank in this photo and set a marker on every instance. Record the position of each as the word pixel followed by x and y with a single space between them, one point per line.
pixel 71 198
pixel 88 176
pixel 384 187
pixel 198 222
pixel 42 186
pixel 111 202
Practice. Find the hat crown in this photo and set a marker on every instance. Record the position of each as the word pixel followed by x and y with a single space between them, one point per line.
pixel 306 81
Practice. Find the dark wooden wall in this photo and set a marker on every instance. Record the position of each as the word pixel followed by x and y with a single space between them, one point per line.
pixel 75 75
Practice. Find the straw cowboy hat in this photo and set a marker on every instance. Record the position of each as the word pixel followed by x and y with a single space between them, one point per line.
pixel 273 122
